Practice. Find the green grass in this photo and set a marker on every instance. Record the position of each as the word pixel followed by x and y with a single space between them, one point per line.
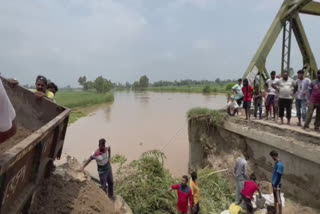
pixel 77 101
pixel 191 89
pixel 216 194
pixel 216 117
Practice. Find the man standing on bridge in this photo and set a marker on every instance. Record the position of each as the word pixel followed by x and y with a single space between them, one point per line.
pixel 271 94
pixel 302 89
pixel 276 181
pixel 102 156
pixel 285 86
pixel 314 103
pixel 238 96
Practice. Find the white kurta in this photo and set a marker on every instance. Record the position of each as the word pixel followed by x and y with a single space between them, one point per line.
pixel 7 112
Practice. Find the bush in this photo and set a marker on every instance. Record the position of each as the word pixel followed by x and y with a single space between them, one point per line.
pixel 229 86
pixel 216 194
pixel 206 89
pixel 144 185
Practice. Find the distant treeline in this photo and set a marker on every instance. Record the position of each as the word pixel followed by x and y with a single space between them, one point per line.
pixel 189 82
pixel 103 85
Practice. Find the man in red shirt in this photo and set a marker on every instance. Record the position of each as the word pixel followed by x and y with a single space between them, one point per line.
pixel 250 187
pixel 247 91
pixel 184 193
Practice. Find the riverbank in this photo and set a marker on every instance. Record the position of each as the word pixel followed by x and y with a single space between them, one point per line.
pixel 82 103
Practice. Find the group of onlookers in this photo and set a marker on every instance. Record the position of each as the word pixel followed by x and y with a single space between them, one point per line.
pixel 7 111
pixel 278 95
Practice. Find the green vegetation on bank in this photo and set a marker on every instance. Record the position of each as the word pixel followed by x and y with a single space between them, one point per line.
pixel 144 185
pixel 77 101
pixel 216 117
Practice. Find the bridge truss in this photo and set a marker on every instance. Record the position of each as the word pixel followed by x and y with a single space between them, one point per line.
pixel 287 20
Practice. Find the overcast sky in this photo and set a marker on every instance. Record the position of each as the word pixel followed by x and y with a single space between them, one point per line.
pixel 124 39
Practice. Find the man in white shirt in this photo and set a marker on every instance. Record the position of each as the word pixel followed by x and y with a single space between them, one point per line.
pixel 285 86
pixel 7 115
pixel 232 107
pixel 270 101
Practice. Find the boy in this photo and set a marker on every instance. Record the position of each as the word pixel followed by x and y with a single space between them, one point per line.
pixel 247 91
pixel 257 100
pixel 232 107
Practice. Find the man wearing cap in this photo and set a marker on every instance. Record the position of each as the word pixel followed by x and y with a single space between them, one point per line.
pixel 302 94
pixel 102 156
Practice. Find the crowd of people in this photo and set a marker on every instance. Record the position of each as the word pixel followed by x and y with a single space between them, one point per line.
pixel 278 95
pixel 246 187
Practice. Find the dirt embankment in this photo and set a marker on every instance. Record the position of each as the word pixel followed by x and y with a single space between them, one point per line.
pixel 69 191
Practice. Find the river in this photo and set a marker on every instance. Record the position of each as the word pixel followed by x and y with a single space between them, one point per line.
pixel 139 122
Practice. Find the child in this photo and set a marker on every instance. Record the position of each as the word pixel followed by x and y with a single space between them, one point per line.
pixel 232 107
pixel 257 100
pixel 276 103
pixel 247 91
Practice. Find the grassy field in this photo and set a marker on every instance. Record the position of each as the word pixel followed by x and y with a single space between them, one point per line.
pixel 206 89
pixel 79 102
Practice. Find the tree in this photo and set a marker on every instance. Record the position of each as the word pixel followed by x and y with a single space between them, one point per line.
pixel 128 85
pixel 102 85
pixel 88 85
pixel 144 82
pixel 136 85
pixel 82 80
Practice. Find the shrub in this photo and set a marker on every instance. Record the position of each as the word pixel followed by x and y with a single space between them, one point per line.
pixel 206 89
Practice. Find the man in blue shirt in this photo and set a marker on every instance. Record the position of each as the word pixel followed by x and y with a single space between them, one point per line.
pixel 276 181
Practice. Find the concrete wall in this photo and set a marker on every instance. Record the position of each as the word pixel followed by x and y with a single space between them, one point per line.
pixel 220 146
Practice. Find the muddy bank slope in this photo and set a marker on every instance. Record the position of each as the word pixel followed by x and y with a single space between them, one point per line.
pixel 69 191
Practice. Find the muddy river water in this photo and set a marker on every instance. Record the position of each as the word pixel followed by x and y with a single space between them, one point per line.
pixel 139 122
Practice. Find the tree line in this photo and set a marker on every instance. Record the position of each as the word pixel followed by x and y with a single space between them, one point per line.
pixel 103 85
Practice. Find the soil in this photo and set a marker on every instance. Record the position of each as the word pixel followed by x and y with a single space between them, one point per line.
pixel 69 191
pixel 21 134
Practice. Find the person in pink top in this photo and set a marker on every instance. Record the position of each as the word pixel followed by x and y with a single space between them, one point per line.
pixel 314 104
pixel 184 194
pixel 250 187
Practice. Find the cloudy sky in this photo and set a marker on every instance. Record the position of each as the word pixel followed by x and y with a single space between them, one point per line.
pixel 124 39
